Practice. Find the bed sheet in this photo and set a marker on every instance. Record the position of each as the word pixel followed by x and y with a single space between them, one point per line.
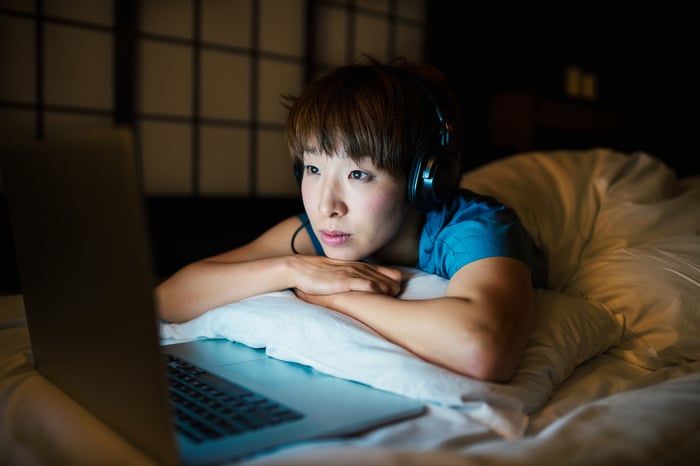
pixel 596 419
pixel 631 414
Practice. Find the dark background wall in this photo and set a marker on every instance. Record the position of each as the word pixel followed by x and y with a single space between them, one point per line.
pixel 643 60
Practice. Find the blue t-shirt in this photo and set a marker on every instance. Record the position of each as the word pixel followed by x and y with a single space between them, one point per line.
pixel 468 228
pixel 472 227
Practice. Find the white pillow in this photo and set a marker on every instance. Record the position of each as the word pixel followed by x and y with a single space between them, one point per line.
pixel 567 332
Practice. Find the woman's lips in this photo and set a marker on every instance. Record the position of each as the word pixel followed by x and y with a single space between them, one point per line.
pixel 334 238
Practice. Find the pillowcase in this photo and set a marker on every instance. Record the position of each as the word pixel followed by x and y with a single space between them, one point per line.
pixel 567 332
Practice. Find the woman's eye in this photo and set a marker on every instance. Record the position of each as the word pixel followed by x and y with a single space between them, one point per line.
pixel 360 175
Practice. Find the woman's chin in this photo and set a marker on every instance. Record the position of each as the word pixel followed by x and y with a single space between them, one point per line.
pixel 332 253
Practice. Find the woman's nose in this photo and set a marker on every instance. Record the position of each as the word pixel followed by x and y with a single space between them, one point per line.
pixel 331 202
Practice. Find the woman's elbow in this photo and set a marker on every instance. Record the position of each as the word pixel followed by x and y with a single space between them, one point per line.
pixel 489 360
pixel 167 309
pixel 492 368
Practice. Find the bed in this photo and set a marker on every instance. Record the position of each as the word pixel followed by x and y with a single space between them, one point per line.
pixel 611 373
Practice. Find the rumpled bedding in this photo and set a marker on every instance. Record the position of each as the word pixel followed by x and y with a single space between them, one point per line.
pixel 617 229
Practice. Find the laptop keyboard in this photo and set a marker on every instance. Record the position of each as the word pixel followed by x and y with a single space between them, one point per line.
pixel 208 407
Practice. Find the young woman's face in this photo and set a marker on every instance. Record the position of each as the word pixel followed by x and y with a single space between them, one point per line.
pixel 354 208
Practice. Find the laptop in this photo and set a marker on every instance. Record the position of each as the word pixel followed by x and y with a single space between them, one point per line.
pixel 82 246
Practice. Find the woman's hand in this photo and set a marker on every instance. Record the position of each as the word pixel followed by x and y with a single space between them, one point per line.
pixel 316 275
pixel 324 300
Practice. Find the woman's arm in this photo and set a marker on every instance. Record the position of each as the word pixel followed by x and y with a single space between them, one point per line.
pixel 264 265
pixel 479 329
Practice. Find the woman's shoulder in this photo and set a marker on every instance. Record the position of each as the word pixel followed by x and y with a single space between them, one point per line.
pixel 468 205
pixel 467 198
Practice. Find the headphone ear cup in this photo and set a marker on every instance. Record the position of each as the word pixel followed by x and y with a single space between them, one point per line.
pixel 414 185
pixel 298 170
pixel 434 178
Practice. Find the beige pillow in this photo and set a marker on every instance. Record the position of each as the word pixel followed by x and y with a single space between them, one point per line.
pixel 616 229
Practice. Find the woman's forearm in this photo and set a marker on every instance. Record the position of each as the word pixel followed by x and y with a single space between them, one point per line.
pixel 205 285
pixel 452 332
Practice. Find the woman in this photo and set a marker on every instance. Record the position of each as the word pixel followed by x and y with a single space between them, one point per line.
pixel 375 152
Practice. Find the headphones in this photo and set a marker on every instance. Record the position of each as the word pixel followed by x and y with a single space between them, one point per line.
pixel 436 170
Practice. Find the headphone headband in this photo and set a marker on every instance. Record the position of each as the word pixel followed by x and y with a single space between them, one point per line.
pixel 435 173
pixel 445 127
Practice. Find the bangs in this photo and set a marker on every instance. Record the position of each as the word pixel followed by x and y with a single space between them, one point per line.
pixel 359 114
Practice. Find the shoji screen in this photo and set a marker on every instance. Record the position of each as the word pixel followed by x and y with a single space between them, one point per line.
pixel 200 80
pixel 57 67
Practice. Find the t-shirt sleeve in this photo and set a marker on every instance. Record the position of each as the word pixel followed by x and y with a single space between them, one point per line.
pixel 474 230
